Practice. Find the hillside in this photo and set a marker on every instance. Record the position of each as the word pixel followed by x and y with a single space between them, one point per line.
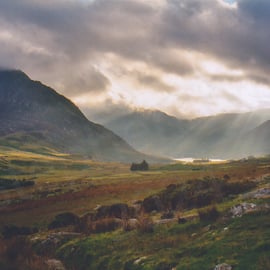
pixel 221 136
pixel 32 113
pixel 152 131
pixel 258 138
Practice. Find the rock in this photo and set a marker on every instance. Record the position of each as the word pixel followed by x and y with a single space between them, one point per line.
pixel 165 221
pixel 240 209
pixel 54 264
pixel 207 228
pixel 130 224
pixel 140 260
pixel 52 241
pixel 137 206
pixel 259 193
pixel 223 266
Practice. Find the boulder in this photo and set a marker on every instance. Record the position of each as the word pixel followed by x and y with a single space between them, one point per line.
pixel 54 264
pixel 48 245
pixel 223 266
pixel 130 224
pixel 240 209
pixel 165 221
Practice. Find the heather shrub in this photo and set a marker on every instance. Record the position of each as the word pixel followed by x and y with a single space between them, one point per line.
pixel 208 214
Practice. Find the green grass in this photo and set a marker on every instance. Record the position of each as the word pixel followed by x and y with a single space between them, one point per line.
pixel 245 244
pixel 76 184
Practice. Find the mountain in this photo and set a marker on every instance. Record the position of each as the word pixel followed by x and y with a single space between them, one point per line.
pixel 31 112
pixel 220 136
pixel 152 131
pixel 258 138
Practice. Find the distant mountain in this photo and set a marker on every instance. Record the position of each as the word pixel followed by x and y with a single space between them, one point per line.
pixel 33 112
pixel 258 139
pixel 152 131
pixel 221 136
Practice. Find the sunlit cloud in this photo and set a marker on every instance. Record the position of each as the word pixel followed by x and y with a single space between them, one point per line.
pixel 188 57
pixel 228 3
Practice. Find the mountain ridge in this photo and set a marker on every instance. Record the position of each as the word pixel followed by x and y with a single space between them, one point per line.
pixel 220 136
pixel 29 106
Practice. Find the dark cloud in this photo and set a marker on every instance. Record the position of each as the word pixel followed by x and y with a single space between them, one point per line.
pixel 86 81
pixel 258 10
pixel 60 42
pixel 231 35
pixel 107 112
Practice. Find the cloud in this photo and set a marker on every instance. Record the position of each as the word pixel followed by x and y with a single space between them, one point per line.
pixel 121 48
pixel 111 111
pixel 87 80
pixel 151 81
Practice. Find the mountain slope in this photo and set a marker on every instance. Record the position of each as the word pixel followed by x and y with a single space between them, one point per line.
pixel 221 136
pixel 152 131
pixel 258 139
pixel 34 110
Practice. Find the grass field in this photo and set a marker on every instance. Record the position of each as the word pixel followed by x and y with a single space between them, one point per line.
pixel 65 183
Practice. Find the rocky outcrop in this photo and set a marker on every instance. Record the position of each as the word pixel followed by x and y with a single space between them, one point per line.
pixel 259 193
pixel 54 264
pixel 223 266
pixel 240 209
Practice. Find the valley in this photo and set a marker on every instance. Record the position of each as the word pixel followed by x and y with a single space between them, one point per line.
pixel 134 135
pixel 74 195
pixel 74 184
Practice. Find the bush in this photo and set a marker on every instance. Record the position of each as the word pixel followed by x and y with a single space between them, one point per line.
pixel 17 254
pixel 165 266
pixel 12 183
pixel 105 225
pixel 263 263
pixel 10 231
pixel 209 214
pixel 145 224
pixel 139 166
pixel 152 203
pixel 167 215
pixel 118 210
pixel 195 194
pixel 63 220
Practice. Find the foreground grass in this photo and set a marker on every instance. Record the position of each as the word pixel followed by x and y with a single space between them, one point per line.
pixel 77 184
pixel 242 242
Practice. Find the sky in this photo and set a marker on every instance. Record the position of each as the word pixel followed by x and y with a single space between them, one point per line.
pixel 188 58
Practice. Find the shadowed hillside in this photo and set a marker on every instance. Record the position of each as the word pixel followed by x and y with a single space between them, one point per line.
pixel 33 113
pixel 221 136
